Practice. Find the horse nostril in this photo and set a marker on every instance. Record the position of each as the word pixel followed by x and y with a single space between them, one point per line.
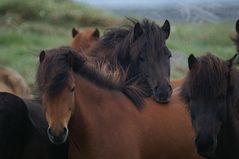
pixel 170 87
pixel 65 130
pixel 210 141
pixel 49 131
pixel 156 88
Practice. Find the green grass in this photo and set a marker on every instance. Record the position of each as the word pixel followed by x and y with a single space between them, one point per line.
pixel 19 50
pixel 201 38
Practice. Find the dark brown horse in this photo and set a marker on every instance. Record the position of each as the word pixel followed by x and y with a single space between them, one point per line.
pixel 22 131
pixel 211 94
pixel 84 39
pixel 235 38
pixel 102 122
pixel 140 48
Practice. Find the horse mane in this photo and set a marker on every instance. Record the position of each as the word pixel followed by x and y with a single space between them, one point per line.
pixel 207 78
pixel 123 48
pixel 119 47
pixel 53 73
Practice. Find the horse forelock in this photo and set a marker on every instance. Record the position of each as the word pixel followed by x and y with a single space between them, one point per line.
pixel 53 73
pixel 208 79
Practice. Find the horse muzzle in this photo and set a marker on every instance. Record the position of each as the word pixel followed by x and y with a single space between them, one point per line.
pixel 206 146
pixel 162 94
pixel 59 136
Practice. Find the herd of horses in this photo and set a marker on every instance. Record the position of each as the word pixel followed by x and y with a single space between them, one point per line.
pixel 110 97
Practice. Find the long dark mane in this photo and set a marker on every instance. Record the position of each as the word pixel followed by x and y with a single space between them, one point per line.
pixel 118 46
pixel 207 78
pixel 54 71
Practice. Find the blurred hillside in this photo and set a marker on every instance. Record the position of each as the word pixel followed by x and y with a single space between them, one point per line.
pixel 181 11
pixel 28 26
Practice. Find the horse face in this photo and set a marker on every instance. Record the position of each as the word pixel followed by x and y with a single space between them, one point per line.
pixel 82 40
pixel 154 59
pixel 58 111
pixel 207 118
pixel 157 72
pixel 206 93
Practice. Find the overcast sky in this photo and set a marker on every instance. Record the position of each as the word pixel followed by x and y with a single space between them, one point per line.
pixel 115 3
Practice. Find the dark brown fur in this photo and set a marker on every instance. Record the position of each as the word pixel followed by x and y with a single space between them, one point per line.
pixel 210 91
pixel 127 47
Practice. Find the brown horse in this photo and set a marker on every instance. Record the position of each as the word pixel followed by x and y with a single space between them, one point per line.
pixel 13 82
pixel 235 38
pixel 141 50
pixel 83 40
pixel 211 93
pixel 102 122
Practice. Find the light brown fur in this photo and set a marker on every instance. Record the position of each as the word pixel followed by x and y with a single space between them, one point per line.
pixel 84 39
pixel 13 82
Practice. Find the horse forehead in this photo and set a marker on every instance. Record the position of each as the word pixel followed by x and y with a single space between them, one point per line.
pixel 88 32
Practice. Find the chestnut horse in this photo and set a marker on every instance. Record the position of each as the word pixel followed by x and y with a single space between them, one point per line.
pixel 83 40
pixel 235 38
pixel 211 94
pixel 102 122
pixel 141 50
pixel 12 82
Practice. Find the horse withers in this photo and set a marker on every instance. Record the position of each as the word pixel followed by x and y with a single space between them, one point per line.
pixel 88 105
pixel 211 92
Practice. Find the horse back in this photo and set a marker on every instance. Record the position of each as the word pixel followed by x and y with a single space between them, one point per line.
pixel 167 130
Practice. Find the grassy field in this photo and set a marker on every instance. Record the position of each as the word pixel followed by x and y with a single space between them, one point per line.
pixel 22 36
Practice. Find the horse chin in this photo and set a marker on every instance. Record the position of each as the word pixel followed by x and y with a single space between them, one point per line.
pixel 207 154
pixel 57 141
pixel 161 100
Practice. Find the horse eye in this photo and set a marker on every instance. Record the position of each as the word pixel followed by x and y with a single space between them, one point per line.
pixel 141 58
pixel 73 89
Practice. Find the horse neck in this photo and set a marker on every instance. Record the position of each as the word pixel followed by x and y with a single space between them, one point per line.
pixel 229 134
pixel 92 104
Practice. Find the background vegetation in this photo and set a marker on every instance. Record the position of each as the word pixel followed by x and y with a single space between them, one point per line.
pixel 26 27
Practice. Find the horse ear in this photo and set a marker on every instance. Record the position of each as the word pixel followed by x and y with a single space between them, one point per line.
pixel 42 56
pixel 231 61
pixel 192 62
pixel 138 31
pixel 237 26
pixel 74 32
pixel 96 34
pixel 166 28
